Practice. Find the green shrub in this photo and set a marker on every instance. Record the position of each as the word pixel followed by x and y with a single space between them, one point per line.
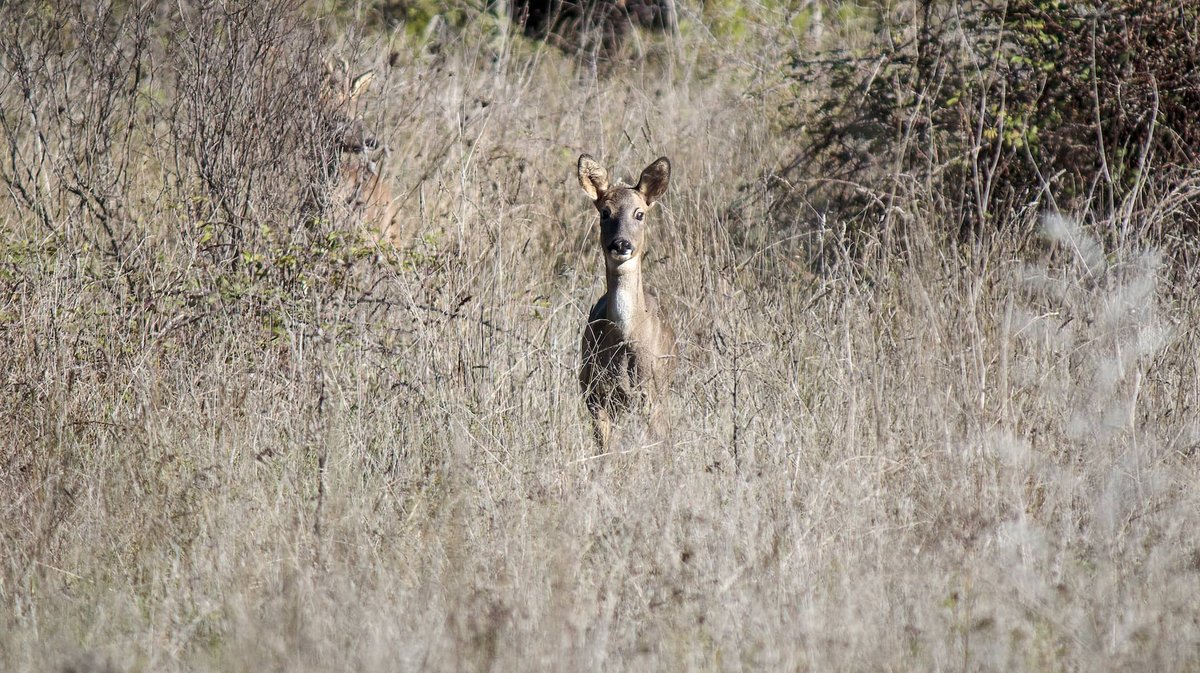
pixel 988 109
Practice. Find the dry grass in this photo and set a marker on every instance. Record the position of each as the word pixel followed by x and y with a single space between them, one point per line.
pixel 922 460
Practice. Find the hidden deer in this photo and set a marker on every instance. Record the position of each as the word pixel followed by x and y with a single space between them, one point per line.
pixel 357 184
pixel 629 351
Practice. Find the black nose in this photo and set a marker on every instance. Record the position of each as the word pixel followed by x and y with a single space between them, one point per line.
pixel 621 246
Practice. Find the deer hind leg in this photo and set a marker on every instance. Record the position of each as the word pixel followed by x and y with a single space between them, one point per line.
pixel 658 421
pixel 658 417
pixel 601 424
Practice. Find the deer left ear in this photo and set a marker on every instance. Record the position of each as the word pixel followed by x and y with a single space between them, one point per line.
pixel 653 183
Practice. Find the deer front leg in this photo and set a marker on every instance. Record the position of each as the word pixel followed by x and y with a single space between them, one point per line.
pixel 657 418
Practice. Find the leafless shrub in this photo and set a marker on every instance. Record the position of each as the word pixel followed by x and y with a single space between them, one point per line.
pixel 73 95
pixel 248 122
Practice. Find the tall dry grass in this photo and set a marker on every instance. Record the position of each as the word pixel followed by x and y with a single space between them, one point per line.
pixel 238 437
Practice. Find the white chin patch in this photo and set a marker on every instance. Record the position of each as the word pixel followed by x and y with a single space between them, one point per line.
pixel 620 256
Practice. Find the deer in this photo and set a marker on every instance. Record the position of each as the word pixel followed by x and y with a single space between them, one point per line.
pixel 356 173
pixel 628 348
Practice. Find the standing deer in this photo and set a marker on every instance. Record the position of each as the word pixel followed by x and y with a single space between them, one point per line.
pixel 629 351
pixel 357 183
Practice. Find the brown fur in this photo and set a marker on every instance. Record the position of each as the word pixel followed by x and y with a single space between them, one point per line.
pixel 361 189
pixel 629 350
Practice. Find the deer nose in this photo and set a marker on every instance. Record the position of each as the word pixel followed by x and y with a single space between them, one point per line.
pixel 621 246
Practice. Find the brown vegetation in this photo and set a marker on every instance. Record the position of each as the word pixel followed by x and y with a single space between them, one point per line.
pixel 238 435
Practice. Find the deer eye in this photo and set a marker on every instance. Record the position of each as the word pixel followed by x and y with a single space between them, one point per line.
pixel 606 214
pixel 639 215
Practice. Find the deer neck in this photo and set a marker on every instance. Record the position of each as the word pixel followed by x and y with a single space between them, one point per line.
pixel 626 300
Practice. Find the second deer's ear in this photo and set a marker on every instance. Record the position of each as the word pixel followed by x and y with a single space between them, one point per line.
pixel 360 84
pixel 592 177
pixel 653 183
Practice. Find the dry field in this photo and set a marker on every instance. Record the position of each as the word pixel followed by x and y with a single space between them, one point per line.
pixel 238 435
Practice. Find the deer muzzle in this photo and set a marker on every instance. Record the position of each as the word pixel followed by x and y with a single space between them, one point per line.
pixel 620 249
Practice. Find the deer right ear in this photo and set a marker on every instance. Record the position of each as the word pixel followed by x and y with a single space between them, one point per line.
pixel 653 183
pixel 360 84
pixel 592 177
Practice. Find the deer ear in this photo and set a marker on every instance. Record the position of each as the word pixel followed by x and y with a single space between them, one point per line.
pixel 592 177
pixel 653 183
pixel 360 84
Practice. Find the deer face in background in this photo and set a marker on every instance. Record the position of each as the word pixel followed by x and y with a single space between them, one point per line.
pixel 341 99
pixel 355 170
